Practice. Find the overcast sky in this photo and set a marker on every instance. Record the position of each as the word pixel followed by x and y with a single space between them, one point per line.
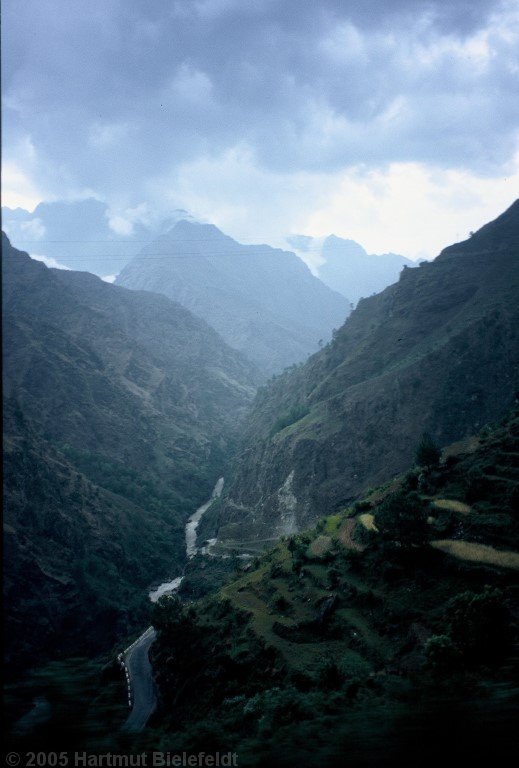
pixel 392 122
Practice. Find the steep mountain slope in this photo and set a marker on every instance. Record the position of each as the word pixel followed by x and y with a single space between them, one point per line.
pixel 436 352
pixel 127 408
pixel 264 302
pixel 77 558
pixel 361 637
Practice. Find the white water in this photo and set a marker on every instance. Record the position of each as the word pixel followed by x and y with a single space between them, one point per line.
pixel 170 587
pixel 192 523
pixel 165 589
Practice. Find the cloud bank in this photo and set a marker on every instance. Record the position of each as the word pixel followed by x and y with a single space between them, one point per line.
pixel 298 108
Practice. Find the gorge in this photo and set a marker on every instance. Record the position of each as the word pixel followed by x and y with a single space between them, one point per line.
pixel 314 580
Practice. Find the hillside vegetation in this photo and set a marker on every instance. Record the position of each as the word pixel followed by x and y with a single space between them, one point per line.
pixel 120 410
pixel 437 352
pixel 358 638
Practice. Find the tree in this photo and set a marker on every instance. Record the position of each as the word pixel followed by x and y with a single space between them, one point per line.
pixel 479 624
pixel 402 519
pixel 297 547
pixel 334 577
pixel 428 453
pixel 176 624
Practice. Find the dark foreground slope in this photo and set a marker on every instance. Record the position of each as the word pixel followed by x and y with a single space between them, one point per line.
pixel 263 301
pixel 77 558
pixel 436 352
pixel 121 408
pixel 363 641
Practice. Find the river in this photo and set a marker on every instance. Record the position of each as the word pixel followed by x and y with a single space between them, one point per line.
pixel 170 587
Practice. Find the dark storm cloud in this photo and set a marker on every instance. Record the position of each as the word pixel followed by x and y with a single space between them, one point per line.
pixel 116 92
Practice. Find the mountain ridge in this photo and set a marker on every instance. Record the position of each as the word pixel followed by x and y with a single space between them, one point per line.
pixel 120 409
pixel 437 352
pixel 263 301
pixel 349 269
pixel 84 234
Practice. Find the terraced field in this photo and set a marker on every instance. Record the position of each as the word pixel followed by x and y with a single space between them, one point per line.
pixel 478 553
pixel 401 601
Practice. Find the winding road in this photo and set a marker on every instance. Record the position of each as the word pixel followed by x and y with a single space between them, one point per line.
pixel 139 673
pixel 144 695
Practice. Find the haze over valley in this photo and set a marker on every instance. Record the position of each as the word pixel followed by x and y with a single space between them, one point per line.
pixel 260 312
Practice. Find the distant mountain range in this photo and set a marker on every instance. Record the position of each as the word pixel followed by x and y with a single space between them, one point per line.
pixel 349 269
pixel 120 408
pixel 437 352
pixel 263 301
pixel 78 234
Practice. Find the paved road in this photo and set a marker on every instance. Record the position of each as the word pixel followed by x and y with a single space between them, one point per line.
pixel 144 696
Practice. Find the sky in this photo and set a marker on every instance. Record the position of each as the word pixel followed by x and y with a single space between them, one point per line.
pixel 391 122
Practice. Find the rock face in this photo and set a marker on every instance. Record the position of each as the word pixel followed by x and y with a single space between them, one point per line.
pixel 121 408
pixel 437 352
pixel 264 302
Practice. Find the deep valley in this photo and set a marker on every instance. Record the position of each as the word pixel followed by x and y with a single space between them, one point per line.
pixel 349 590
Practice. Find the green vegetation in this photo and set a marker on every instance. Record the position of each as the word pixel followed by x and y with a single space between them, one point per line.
pixel 401 520
pixel 296 413
pixel 479 624
pixel 428 453
pixel 388 622
pixel 64 704
pixel 188 488
pixel 120 411
pixel 205 575
pixel 346 645
pixel 437 350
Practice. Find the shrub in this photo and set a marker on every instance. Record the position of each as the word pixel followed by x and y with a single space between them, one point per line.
pixel 334 577
pixel 402 519
pixel 411 481
pixel 297 546
pixel 479 624
pixel 280 603
pixel 296 413
pixel 428 453
pixel 329 676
